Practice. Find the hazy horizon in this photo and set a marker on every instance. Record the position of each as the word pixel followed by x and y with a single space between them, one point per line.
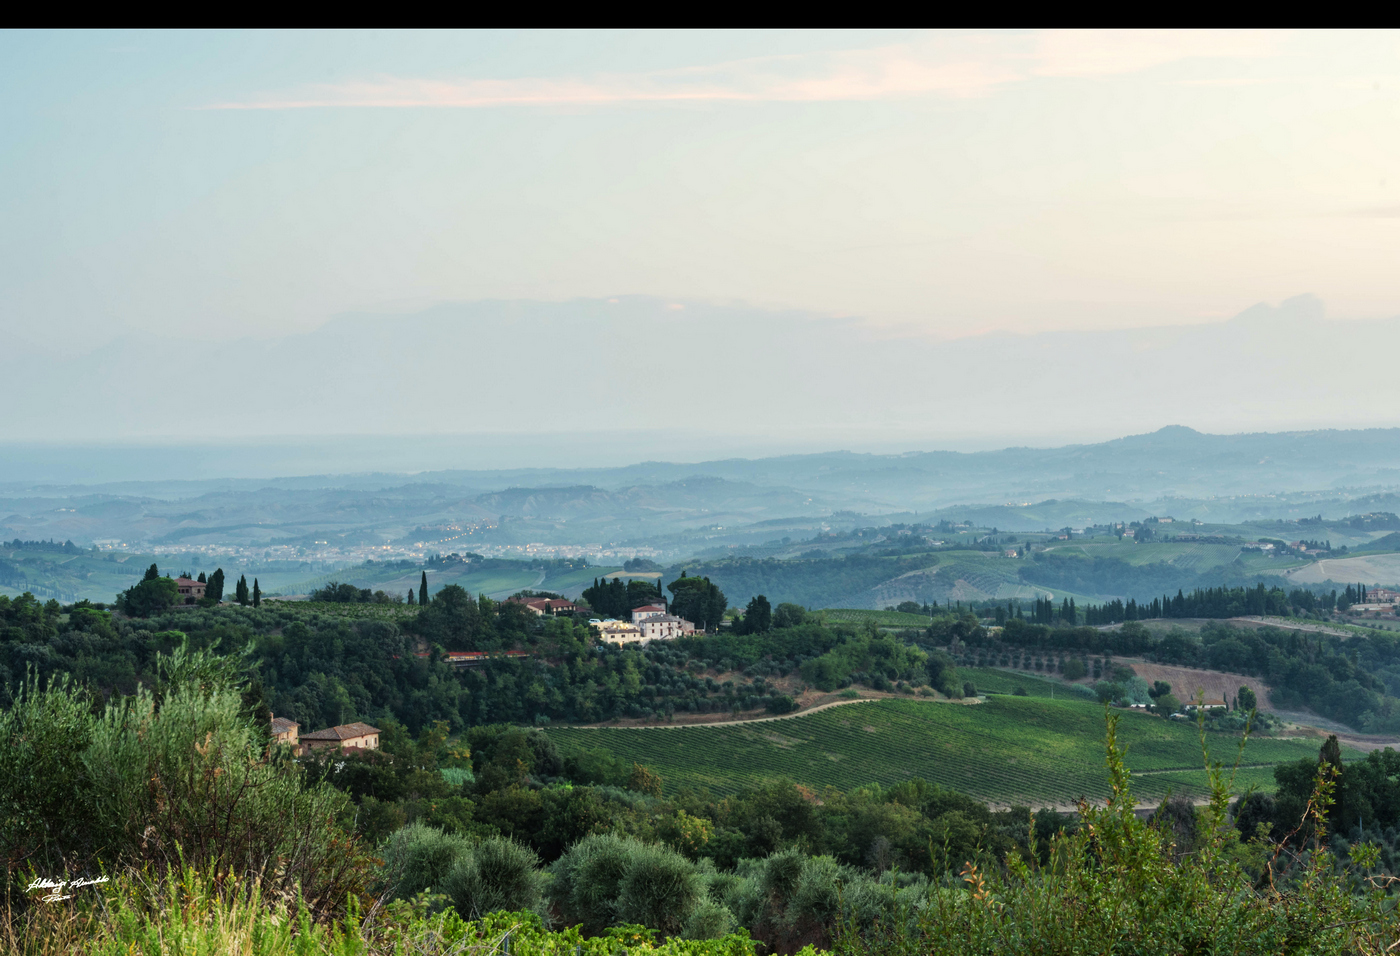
pixel 763 241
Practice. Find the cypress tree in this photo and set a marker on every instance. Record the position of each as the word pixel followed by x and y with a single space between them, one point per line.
pixel 240 590
pixel 412 599
pixel 423 590
pixel 257 594
pixel 216 585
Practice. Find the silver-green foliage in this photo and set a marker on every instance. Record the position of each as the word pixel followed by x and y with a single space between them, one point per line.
pixel 478 878
pixel 417 858
pixel 498 874
pixel 660 890
pixel 588 877
pixel 177 773
pixel 605 880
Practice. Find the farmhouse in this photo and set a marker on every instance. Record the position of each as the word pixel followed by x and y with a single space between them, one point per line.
pixel 1207 704
pixel 190 591
pixel 460 659
pixel 619 631
pixel 356 736
pixel 543 606
pixel 284 731
pixel 664 627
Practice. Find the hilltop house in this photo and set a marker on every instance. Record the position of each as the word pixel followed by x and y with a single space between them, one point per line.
pixel 542 606
pixel 190 591
pixel 356 736
pixel 644 628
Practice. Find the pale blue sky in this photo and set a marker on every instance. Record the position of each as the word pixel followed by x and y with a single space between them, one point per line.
pixel 259 183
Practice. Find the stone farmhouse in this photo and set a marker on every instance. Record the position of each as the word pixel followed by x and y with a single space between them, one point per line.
pixel 356 736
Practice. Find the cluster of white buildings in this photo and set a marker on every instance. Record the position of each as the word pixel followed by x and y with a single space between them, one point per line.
pixel 649 623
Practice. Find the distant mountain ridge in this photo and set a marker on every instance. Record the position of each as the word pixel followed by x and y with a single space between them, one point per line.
pixel 677 507
pixel 519 368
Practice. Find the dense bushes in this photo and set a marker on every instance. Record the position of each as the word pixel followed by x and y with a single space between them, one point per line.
pixel 477 877
pixel 164 778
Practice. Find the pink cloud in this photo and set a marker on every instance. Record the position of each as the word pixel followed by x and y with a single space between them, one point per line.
pixel 933 65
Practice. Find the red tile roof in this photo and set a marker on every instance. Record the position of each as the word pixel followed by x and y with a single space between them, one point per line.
pixel 343 732
pixel 281 725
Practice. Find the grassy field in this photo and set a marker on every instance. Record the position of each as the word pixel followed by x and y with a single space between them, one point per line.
pixel 1009 750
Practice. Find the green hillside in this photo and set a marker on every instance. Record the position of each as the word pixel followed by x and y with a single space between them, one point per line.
pixel 1007 750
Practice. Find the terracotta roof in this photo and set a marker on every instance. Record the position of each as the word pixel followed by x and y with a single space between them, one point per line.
pixel 187 581
pixel 281 725
pixel 649 607
pixel 343 732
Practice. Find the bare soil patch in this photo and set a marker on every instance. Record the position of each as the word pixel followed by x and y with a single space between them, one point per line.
pixel 1187 682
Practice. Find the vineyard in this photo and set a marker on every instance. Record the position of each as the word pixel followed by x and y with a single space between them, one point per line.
pixel 990 680
pixel 1008 750
pixel 878 618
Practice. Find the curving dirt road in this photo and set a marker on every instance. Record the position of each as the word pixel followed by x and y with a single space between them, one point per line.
pixel 763 720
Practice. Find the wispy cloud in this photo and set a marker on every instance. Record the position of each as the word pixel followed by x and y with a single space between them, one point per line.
pixel 936 65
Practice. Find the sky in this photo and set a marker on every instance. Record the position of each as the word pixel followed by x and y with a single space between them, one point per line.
pixel 241 185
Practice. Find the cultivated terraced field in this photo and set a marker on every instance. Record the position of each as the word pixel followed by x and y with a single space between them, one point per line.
pixel 1009 750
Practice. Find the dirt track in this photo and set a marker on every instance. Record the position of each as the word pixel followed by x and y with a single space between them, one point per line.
pixel 762 720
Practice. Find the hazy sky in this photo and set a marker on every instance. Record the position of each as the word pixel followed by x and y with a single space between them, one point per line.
pixel 232 184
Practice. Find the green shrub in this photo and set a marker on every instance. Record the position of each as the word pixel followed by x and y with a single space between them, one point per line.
pixel 709 920
pixel 660 890
pixel 498 874
pixel 418 858
pixel 588 878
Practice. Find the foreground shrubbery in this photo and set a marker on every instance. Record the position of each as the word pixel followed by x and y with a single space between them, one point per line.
pixel 1124 885
pixel 216 844
pixel 163 778
pixel 191 917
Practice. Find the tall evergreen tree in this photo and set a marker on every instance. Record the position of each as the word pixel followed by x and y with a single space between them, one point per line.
pixel 257 594
pixel 215 589
pixel 412 598
pixel 240 590
pixel 151 573
pixel 423 590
